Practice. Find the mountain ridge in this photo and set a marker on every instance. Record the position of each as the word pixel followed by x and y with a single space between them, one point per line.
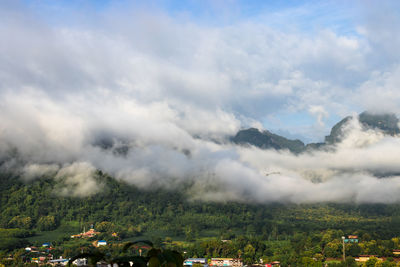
pixel 388 123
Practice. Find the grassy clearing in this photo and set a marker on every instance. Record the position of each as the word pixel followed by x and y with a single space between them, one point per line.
pixel 46 236
pixel 66 229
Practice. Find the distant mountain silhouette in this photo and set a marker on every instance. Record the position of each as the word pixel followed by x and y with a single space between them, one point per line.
pixel 387 123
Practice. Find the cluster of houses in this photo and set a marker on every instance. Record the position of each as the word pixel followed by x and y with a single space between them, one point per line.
pixel 40 255
pixel 214 262
pixel 43 255
pixel 222 262
pixel 88 234
pixel 92 233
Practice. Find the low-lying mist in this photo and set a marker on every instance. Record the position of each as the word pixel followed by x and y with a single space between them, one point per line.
pixel 150 146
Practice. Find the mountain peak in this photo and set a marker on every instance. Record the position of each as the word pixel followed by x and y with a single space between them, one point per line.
pixel 265 140
pixel 388 123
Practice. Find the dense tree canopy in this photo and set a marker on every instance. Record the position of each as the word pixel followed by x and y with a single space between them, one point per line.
pixel 254 232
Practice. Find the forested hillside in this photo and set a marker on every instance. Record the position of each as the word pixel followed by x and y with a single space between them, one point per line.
pixel 35 205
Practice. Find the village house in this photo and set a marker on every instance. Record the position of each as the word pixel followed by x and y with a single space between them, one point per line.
pixel 226 262
pixel 273 264
pixel 80 262
pixel 32 249
pixel 270 264
pixel 396 252
pixel 90 233
pixel 191 261
pixel 364 258
pixel 58 262
pixel 351 239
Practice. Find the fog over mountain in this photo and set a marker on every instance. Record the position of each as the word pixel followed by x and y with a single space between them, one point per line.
pixel 153 99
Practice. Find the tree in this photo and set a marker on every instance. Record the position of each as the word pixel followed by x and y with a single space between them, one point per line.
pixel 189 235
pixel 388 263
pixel 332 249
pixel 24 222
pixel 353 250
pixel 47 223
pixel 310 262
pixel 371 262
pixel 154 258
pixel 249 253
pixel 350 262
pixel 105 227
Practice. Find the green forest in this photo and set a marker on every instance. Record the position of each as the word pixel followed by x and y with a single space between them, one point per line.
pixel 31 213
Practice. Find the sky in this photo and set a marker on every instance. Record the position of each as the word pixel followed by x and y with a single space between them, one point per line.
pixel 172 80
pixel 294 67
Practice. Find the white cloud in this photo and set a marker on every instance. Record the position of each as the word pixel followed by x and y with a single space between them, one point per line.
pixel 32 171
pixel 319 112
pixel 164 88
pixel 77 180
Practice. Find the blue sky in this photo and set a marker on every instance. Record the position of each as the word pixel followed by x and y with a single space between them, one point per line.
pixel 307 15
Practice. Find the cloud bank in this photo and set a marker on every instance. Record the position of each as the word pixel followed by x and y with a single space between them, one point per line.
pixel 152 101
